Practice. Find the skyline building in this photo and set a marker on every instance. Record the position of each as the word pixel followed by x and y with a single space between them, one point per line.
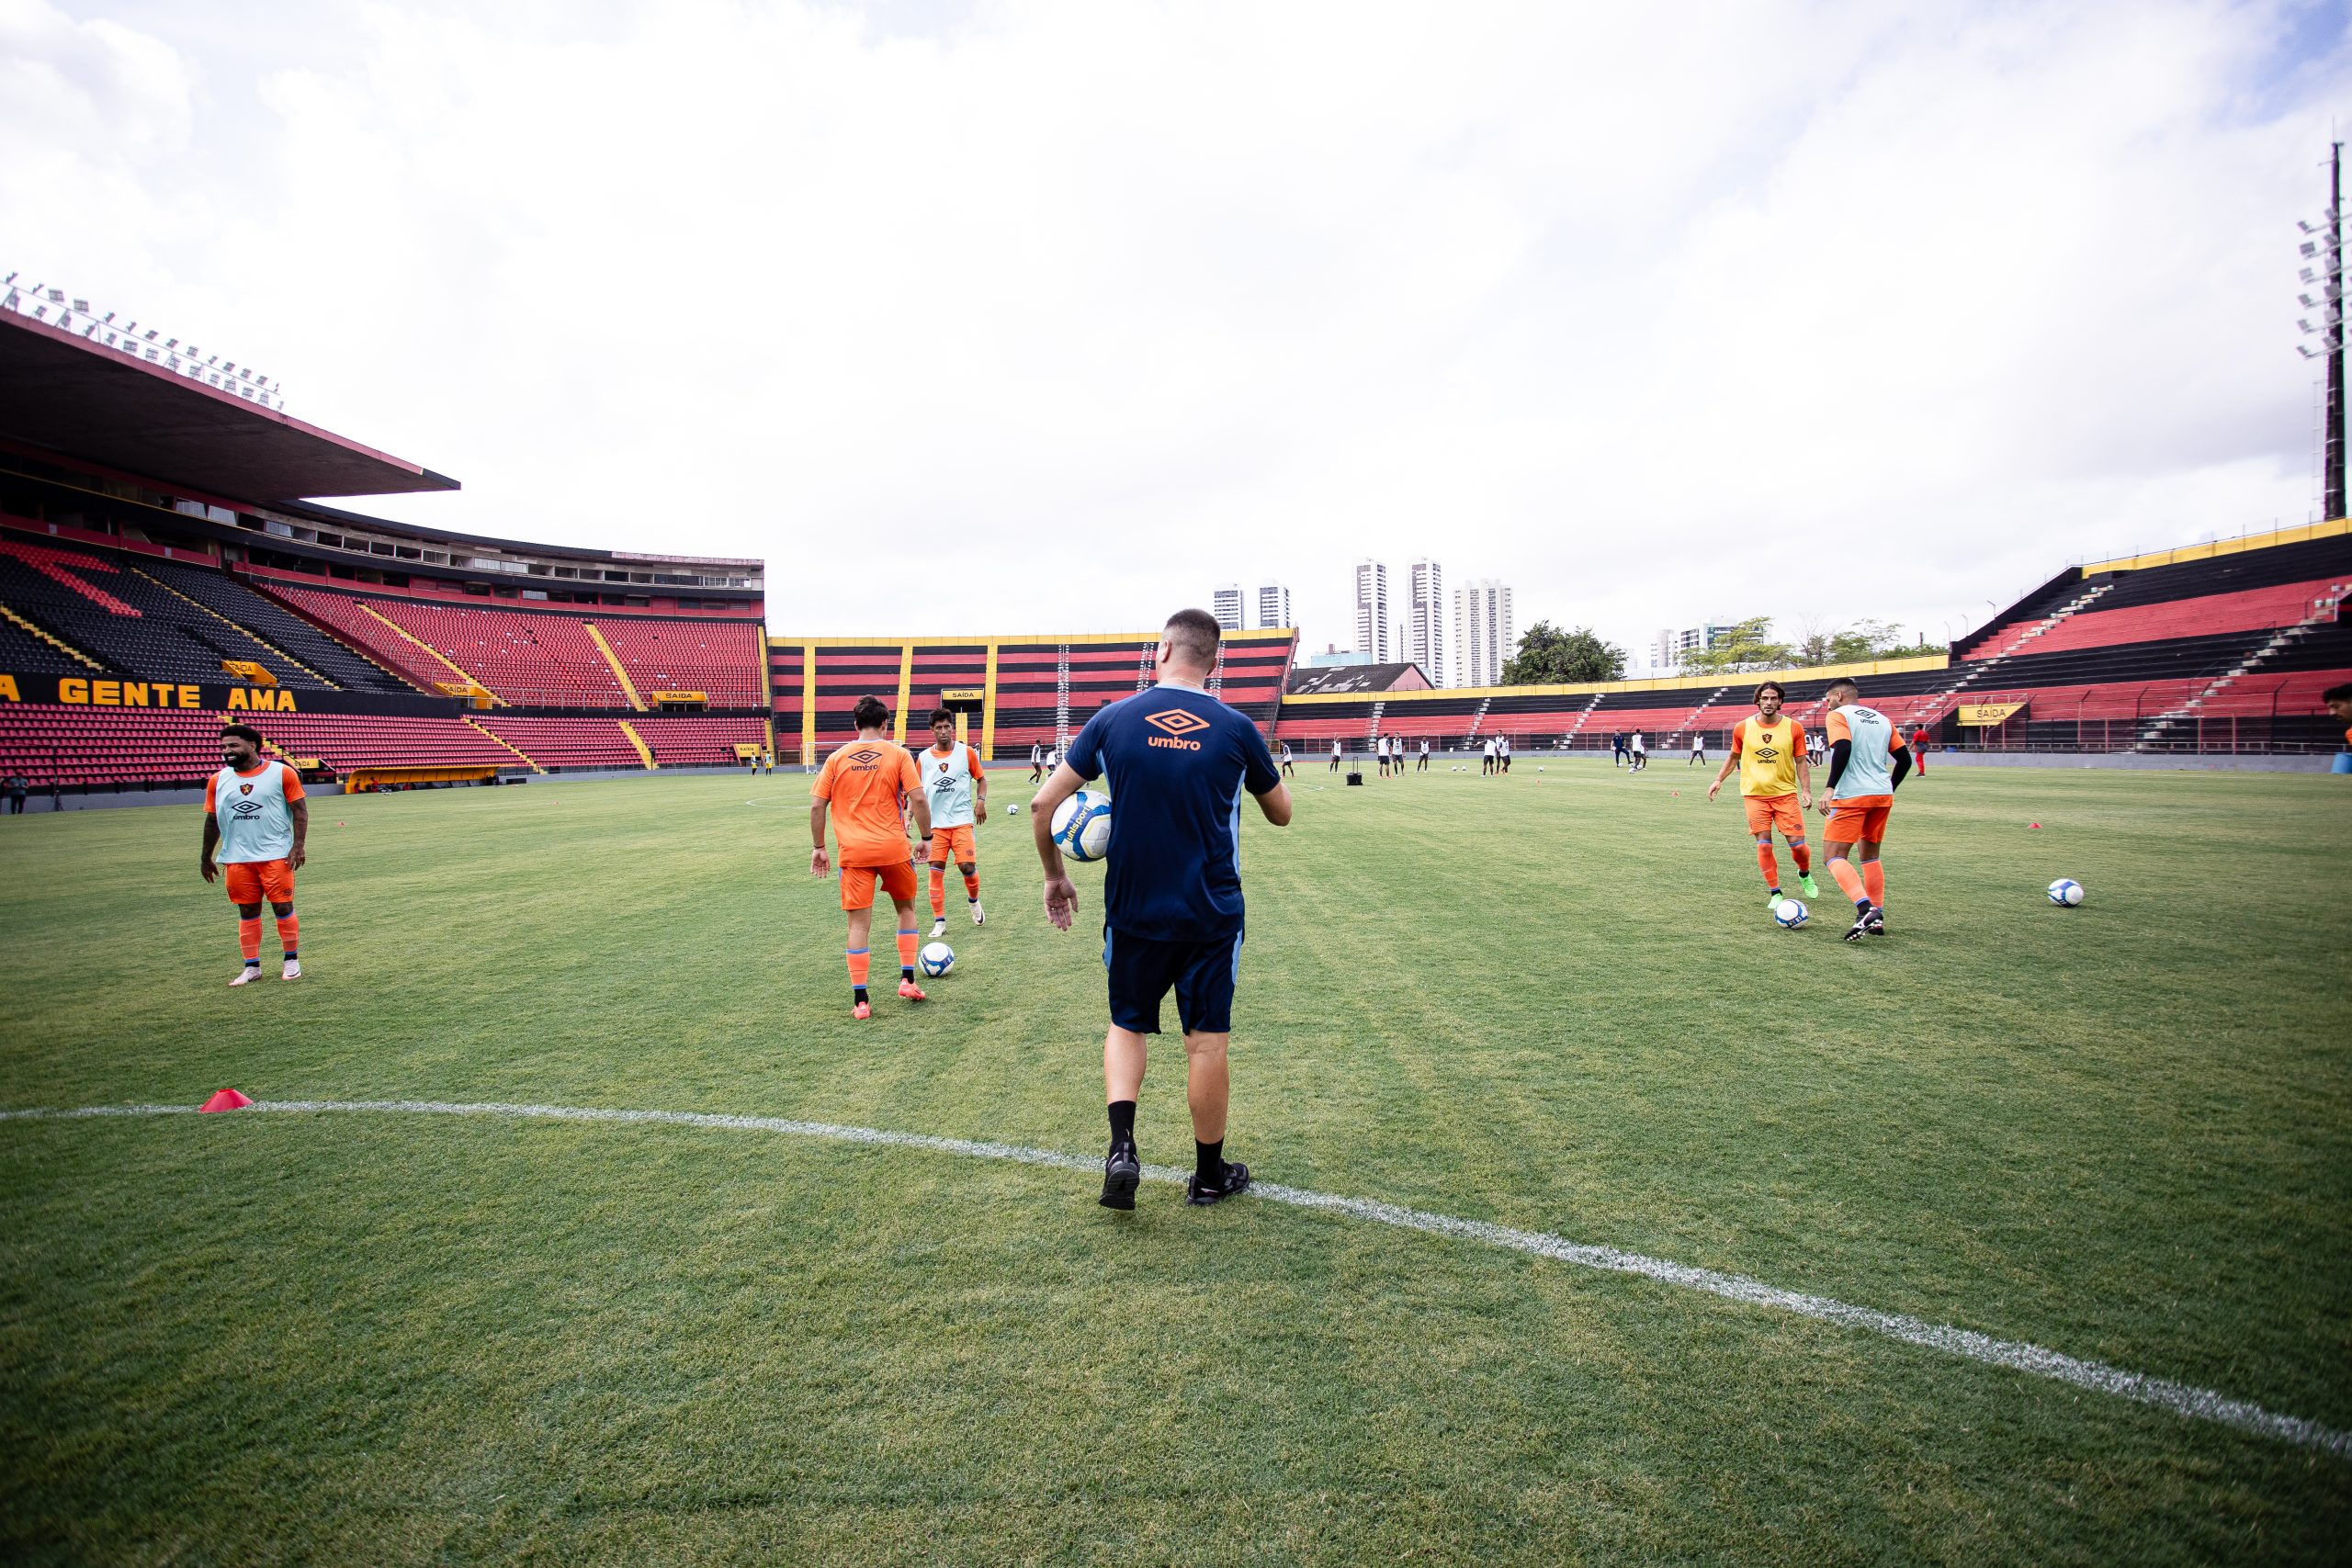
pixel 1484 635
pixel 1374 633
pixel 1425 616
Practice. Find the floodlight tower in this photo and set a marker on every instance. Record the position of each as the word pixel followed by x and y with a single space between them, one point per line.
pixel 2323 244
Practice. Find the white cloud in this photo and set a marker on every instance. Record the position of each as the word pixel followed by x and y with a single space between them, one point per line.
pixel 1030 315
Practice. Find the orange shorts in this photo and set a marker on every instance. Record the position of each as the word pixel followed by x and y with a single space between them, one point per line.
pixel 1766 812
pixel 251 881
pixel 953 843
pixel 897 880
pixel 1861 821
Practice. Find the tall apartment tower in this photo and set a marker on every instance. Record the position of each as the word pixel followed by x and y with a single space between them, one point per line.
pixel 1425 613
pixel 1274 605
pixel 1373 634
pixel 1484 636
pixel 1224 604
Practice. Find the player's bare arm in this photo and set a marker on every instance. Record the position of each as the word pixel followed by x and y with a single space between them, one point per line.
pixel 1730 762
pixel 818 864
pixel 1274 804
pixel 1061 894
pixel 301 832
pixel 204 865
pixel 1805 781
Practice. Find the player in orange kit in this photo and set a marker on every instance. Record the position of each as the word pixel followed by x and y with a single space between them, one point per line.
pixel 868 784
pixel 1775 785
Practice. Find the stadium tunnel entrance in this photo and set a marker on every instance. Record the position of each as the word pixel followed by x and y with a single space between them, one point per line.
pixel 966 703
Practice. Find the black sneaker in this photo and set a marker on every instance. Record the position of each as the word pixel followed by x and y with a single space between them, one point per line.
pixel 1862 926
pixel 1121 1172
pixel 1237 1179
pixel 1877 920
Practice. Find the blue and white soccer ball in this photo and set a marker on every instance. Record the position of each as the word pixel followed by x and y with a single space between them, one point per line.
pixel 936 959
pixel 2065 892
pixel 1082 825
pixel 1789 914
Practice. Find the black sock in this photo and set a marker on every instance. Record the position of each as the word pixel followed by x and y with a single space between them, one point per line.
pixel 857 993
pixel 906 972
pixel 1123 1123
pixel 1208 1162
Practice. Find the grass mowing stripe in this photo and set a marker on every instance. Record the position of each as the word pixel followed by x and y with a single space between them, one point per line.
pixel 2181 1399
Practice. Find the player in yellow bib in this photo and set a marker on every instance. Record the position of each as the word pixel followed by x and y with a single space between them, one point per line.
pixel 1775 785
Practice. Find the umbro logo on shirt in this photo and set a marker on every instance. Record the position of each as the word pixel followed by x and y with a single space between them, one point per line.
pixel 1178 723
pixel 864 759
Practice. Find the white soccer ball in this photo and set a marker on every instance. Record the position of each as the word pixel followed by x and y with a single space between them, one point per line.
pixel 1789 914
pixel 2065 892
pixel 936 958
pixel 1081 826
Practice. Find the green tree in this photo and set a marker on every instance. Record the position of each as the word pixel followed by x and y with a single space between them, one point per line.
pixel 1746 647
pixel 1865 640
pixel 1550 656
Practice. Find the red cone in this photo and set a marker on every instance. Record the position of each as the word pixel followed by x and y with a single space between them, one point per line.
pixel 227 1099
pixel 2033 824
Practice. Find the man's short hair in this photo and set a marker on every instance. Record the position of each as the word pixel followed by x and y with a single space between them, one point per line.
pixel 244 732
pixel 1194 634
pixel 869 713
pixel 1764 686
pixel 938 714
pixel 2337 693
pixel 1843 684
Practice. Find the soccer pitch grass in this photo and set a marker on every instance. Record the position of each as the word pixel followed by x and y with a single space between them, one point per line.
pixel 1553 1002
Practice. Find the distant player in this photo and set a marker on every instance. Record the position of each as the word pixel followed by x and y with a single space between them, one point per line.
pixel 1920 750
pixel 1698 748
pixel 868 784
pixel 1618 755
pixel 1287 772
pixel 255 816
pixel 1775 785
pixel 1424 766
pixel 1638 751
pixel 1172 889
pixel 1867 764
pixel 958 793
pixel 2339 703
pixel 1036 762
pixel 1335 754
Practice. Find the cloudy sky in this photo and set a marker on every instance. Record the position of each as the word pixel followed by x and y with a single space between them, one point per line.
pixel 1015 316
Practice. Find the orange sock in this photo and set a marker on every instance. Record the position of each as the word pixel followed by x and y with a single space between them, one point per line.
pixel 249 938
pixel 1803 856
pixel 938 892
pixel 907 944
pixel 289 933
pixel 1849 878
pixel 858 958
pixel 1770 867
pixel 1874 882
pixel 972 886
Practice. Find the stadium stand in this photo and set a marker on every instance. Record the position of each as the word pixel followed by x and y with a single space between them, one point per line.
pixel 129 622
pixel 719 659
pixel 526 657
pixel 274 626
pixel 680 741
pixel 558 743
pixel 346 616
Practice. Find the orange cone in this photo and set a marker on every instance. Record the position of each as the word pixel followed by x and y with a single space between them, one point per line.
pixel 227 1099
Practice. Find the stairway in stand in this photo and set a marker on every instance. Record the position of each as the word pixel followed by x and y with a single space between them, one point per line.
pixel 2323 609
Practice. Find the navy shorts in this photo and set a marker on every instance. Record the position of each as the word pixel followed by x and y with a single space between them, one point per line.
pixel 1201 973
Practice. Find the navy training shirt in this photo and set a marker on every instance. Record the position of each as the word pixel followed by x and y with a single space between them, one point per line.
pixel 1178 762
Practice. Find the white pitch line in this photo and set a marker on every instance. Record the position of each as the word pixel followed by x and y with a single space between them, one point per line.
pixel 2180 1398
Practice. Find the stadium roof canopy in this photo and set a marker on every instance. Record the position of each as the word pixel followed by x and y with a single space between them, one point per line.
pixel 1344 678
pixel 105 406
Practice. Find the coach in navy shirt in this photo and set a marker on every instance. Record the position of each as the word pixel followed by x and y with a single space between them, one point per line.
pixel 1178 762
